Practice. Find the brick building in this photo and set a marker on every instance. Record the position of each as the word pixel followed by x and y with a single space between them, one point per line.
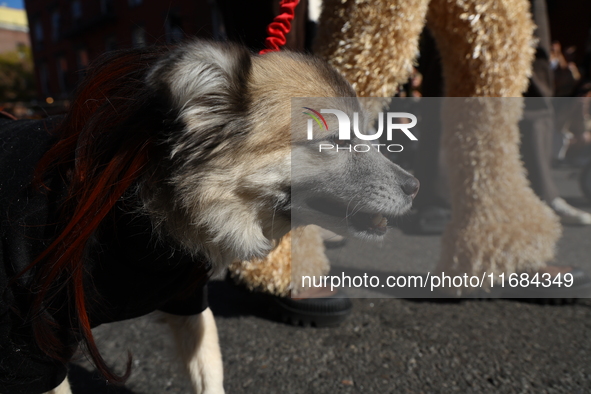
pixel 66 35
pixel 14 32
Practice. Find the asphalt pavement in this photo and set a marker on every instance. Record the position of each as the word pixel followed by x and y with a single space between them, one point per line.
pixel 385 346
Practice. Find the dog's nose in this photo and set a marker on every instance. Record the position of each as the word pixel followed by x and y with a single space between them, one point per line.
pixel 411 187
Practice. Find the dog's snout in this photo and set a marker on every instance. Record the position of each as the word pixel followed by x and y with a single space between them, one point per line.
pixel 411 186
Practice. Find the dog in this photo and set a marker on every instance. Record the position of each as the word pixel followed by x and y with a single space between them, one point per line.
pixel 165 169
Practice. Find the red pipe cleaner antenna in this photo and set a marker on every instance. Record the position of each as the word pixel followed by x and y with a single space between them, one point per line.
pixel 280 26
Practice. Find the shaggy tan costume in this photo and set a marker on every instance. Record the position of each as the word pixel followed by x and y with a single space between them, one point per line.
pixel 274 274
pixel 372 43
pixel 498 224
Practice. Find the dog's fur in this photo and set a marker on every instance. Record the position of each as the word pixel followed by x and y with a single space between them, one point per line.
pixel 221 185
pixel 238 195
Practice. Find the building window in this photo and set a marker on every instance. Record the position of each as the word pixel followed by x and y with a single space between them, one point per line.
pixel 138 37
pixel 82 58
pixel 44 79
pixel 76 10
pixel 110 43
pixel 107 7
pixel 217 22
pixel 174 29
pixel 81 61
pixel 21 48
pixel 38 29
pixel 62 69
pixel 55 25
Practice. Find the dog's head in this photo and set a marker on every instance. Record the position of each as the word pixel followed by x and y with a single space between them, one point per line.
pixel 227 188
pixel 345 184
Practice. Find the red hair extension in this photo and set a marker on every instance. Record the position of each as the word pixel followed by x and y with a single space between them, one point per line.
pixel 103 146
pixel 280 26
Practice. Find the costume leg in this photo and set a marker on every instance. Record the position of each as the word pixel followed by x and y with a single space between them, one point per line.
pixel 498 224
pixel 373 44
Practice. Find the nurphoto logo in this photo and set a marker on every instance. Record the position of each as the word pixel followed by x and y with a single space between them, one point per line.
pixel 344 135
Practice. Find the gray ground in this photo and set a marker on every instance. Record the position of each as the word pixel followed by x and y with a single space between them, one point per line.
pixel 385 346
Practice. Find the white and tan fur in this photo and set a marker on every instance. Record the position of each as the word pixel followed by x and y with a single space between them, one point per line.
pixel 198 346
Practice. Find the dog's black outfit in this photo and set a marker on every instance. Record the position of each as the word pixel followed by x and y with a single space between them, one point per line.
pixel 127 272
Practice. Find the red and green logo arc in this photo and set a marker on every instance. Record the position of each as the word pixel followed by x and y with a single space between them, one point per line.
pixel 317 117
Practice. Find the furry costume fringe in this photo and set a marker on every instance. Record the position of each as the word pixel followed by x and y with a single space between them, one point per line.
pixel 299 253
pixel 498 224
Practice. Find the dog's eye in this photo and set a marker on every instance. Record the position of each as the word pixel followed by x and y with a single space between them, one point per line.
pixel 335 140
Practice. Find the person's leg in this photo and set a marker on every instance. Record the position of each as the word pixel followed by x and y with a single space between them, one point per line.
pixel 536 140
pixel 536 150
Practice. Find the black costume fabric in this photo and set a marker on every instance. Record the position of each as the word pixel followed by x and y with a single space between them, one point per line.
pixel 128 272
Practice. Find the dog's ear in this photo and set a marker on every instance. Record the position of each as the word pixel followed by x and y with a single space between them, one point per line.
pixel 206 85
pixel 232 60
pixel 211 73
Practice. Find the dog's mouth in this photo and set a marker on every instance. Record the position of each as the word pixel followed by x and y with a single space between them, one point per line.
pixel 368 223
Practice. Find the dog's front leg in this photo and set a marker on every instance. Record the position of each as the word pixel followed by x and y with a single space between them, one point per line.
pixel 197 342
pixel 63 388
